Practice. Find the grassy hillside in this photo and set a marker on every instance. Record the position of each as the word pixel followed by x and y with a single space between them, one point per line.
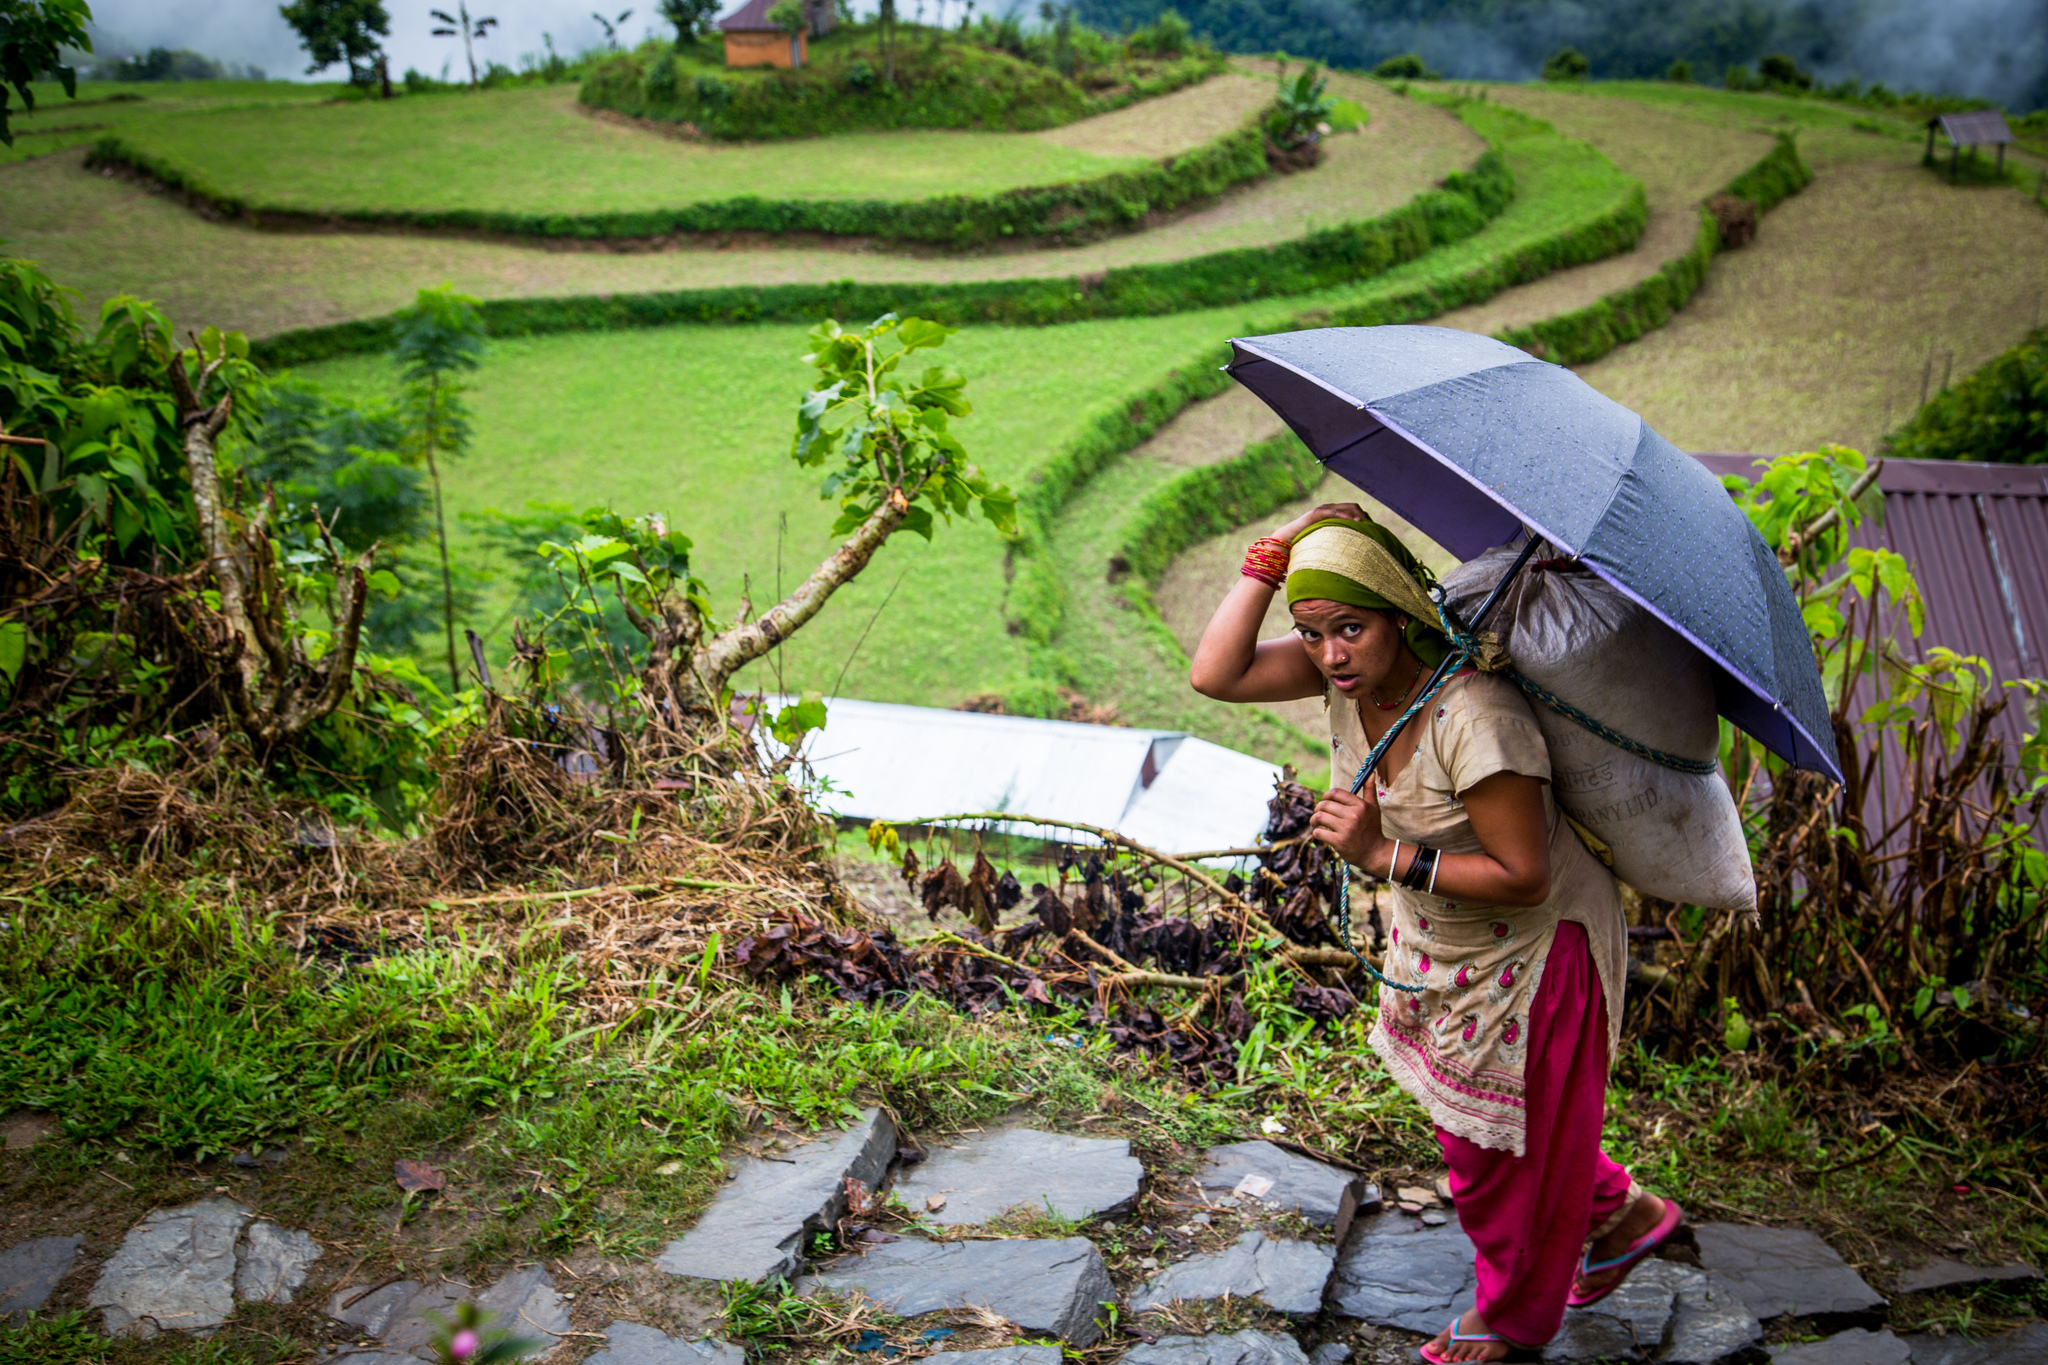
pixel 1859 297
pixel 104 107
pixel 533 151
pixel 695 421
pixel 106 236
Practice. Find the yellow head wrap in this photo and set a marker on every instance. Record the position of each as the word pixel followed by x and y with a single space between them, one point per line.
pixel 1363 564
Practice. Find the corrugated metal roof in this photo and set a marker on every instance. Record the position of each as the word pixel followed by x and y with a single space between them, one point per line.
pixel 752 17
pixel 1976 537
pixel 1160 787
pixel 1977 128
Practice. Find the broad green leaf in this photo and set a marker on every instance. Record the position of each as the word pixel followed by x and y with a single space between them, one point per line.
pixel 13 648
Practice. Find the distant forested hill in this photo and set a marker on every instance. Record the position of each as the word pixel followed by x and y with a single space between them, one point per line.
pixel 1996 49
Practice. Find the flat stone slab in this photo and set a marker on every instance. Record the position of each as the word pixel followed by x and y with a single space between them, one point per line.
pixel 1286 1276
pixel 2027 1346
pixel 406 1316
pixel 526 1304
pixel 174 1271
pixel 1321 1193
pixel 1711 1323
pixel 1947 1274
pixel 1628 1324
pixel 1076 1177
pixel 1398 1273
pixel 30 1271
pixel 1050 1286
pixel 761 1221
pixel 1853 1347
pixel 1788 1271
pixel 273 1262
pixel 999 1355
pixel 1220 1348
pixel 631 1343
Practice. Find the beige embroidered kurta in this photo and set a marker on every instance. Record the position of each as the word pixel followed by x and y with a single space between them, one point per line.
pixel 1460 1046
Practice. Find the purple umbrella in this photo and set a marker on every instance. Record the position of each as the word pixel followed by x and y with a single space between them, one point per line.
pixel 1474 442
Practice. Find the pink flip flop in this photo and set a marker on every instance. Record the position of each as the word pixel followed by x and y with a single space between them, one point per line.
pixel 1434 1359
pixel 1673 1218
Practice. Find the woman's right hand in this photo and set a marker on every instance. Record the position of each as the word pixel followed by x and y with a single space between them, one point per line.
pixel 1339 511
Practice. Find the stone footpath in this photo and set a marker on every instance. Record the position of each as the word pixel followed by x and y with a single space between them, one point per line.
pixel 1330 1251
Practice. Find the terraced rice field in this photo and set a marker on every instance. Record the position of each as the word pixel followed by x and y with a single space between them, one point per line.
pixel 105 236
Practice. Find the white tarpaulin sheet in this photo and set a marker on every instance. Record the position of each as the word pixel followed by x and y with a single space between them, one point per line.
pixel 1165 789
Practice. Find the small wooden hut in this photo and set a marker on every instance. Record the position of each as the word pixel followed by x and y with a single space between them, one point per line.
pixel 751 40
pixel 1974 129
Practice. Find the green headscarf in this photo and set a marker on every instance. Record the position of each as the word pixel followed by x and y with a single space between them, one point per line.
pixel 1363 564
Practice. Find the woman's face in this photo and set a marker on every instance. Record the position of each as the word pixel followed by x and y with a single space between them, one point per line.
pixel 1356 648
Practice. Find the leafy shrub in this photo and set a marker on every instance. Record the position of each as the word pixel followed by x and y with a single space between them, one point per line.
pixel 1567 64
pixel 1300 108
pixel 660 81
pixel 1167 36
pixel 1679 72
pixel 1407 67
pixel 1780 72
pixel 1999 413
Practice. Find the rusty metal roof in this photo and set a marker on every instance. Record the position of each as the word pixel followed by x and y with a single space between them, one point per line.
pixel 752 17
pixel 1976 537
pixel 1977 128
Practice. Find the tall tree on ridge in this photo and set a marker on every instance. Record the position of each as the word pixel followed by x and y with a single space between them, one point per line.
pixel 340 31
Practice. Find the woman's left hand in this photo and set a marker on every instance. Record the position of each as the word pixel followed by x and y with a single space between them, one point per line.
pixel 1351 826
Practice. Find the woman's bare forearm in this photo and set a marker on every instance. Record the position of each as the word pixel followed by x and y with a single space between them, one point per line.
pixel 1231 664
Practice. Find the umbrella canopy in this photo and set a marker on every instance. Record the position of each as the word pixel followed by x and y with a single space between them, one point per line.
pixel 1473 440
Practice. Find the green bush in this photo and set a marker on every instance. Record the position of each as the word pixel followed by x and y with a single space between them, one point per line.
pixel 1679 72
pixel 1780 72
pixel 1408 66
pixel 1999 413
pixel 1077 211
pixel 1567 64
pixel 949 83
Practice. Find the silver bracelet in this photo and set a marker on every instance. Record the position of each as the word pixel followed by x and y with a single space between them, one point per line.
pixel 1433 864
pixel 1394 861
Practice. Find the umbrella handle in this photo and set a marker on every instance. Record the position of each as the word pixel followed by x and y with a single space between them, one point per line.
pixel 1444 669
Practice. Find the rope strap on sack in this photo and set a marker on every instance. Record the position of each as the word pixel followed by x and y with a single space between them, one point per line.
pixel 1484 651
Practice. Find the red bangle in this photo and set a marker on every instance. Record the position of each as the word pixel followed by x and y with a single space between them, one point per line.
pixel 1266 560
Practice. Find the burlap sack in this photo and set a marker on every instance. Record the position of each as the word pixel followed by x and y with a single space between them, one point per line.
pixel 1669 834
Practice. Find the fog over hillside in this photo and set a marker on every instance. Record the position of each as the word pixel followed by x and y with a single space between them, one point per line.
pixel 1997 49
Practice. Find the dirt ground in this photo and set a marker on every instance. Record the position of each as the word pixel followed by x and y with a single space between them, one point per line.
pixel 1170 124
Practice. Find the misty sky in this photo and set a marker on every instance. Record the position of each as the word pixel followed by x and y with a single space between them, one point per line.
pixel 249 32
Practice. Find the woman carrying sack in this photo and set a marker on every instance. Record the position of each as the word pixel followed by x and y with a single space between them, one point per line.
pixel 1511 930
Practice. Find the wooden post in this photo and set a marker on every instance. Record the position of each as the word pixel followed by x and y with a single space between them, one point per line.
pixel 1955 161
pixel 2001 161
pixel 1930 140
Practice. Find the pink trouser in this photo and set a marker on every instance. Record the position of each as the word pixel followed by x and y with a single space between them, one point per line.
pixel 1529 1215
